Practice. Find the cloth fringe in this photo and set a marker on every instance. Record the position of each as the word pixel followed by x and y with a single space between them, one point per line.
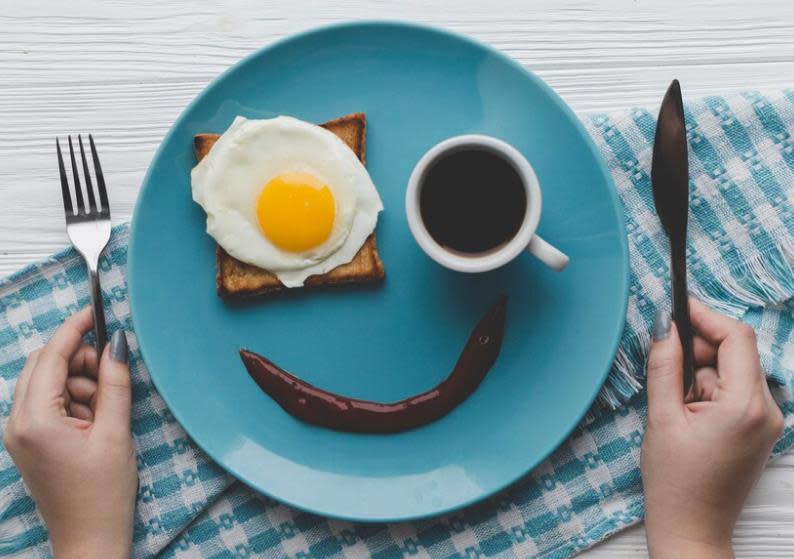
pixel 759 280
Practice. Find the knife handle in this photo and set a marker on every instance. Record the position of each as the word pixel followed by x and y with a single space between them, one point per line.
pixel 681 315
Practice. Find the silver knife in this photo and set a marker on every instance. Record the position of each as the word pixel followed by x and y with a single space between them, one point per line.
pixel 670 179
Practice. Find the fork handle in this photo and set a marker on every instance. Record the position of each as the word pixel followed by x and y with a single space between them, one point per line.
pixel 96 305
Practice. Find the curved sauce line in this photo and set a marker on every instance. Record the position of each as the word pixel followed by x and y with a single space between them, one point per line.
pixel 326 409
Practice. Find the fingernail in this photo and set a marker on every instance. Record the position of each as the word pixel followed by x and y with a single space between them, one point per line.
pixel 661 326
pixel 118 347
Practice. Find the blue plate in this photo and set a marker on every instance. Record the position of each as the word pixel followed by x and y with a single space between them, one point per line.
pixel 417 86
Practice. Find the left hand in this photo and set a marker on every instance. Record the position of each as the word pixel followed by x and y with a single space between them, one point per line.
pixel 70 438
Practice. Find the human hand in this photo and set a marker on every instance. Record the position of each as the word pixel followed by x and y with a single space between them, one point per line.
pixel 700 459
pixel 69 435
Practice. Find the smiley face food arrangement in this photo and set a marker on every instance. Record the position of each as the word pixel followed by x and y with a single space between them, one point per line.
pixel 291 205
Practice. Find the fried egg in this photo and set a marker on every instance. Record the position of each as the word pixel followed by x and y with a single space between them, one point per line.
pixel 286 196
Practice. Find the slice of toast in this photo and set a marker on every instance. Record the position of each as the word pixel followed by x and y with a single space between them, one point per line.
pixel 236 279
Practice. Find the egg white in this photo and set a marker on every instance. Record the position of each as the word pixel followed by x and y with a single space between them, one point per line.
pixel 228 180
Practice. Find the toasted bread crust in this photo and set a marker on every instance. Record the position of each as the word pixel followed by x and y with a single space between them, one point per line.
pixel 236 279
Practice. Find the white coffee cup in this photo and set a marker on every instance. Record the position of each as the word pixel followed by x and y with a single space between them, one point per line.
pixel 524 239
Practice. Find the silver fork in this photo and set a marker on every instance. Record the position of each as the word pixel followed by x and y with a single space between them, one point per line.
pixel 88 229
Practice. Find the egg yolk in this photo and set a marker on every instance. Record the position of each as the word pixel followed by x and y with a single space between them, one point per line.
pixel 296 211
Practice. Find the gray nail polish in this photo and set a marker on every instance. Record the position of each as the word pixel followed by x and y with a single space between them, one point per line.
pixel 118 347
pixel 661 326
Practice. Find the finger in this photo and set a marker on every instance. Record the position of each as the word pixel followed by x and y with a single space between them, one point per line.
pixel 49 378
pixel 114 389
pixel 700 406
pixel 21 387
pixel 665 370
pixel 80 411
pixel 67 339
pixel 739 363
pixel 767 391
pixel 67 399
pixel 76 423
pixel 705 353
pixel 82 390
pixel 706 382
pixel 710 325
pixel 84 362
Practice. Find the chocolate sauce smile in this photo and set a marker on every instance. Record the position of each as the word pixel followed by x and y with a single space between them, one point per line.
pixel 326 409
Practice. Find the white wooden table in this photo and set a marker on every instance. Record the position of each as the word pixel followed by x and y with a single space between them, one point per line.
pixel 124 70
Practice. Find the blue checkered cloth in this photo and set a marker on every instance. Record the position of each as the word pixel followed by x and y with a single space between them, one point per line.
pixel 740 253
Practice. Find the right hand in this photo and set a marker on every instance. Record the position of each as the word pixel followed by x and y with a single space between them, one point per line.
pixel 700 459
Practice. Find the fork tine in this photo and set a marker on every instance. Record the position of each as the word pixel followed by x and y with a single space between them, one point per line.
pixel 78 191
pixel 89 187
pixel 67 198
pixel 100 178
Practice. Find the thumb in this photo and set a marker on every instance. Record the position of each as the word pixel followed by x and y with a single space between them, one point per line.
pixel 665 371
pixel 114 387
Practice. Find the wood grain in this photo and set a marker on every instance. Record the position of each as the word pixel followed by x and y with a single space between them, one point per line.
pixel 124 70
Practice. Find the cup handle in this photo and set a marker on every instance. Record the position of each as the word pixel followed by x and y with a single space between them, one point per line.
pixel 550 256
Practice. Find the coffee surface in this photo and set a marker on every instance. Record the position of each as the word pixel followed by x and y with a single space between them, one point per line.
pixel 472 201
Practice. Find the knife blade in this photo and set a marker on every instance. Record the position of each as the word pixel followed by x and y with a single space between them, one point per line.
pixel 670 180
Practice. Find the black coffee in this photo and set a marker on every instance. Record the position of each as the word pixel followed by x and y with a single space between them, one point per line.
pixel 472 200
